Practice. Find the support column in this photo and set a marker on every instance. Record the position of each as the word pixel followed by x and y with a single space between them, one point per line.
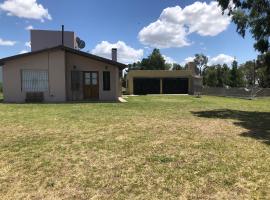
pixel 161 86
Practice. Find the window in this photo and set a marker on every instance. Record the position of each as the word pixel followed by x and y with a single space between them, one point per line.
pixel 106 81
pixel 94 78
pixel 35 80
pixel 75 80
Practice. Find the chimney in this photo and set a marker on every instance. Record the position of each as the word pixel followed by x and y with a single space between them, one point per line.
pixel 114 54
pixel 192 68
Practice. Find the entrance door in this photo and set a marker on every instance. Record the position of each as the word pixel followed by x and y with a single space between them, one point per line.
pixel 90 85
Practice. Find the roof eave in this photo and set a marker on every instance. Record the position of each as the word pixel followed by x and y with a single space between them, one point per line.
pixel 64 48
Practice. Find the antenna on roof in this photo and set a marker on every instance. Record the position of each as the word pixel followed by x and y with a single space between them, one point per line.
pixel 63 30
pixel 80 43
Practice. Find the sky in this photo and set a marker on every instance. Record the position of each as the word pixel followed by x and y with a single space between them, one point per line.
pixel 179 28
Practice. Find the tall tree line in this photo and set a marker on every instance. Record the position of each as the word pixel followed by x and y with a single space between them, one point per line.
pixel 253 16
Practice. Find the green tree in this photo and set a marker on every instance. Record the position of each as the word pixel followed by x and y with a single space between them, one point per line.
pixel 220 78
pixel 155 61
pixel 236 77
pixel 176 66
pixel 210 76
pixel 262 71
pixel 253 15
pixel 201 61
pixel 248 72
pixel 226 74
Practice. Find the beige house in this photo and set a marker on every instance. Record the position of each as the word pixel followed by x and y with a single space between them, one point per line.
pixel 59 74
pixel 164 81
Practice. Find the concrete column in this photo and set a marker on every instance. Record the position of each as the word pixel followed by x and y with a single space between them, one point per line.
pixel 161 86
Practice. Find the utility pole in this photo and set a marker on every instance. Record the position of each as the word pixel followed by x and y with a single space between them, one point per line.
pixel 254 71
pixel 253 93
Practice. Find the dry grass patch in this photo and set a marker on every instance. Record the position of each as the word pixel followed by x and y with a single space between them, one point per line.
pixel 153 147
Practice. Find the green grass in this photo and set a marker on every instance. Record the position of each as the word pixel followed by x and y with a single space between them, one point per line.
pixel 153 147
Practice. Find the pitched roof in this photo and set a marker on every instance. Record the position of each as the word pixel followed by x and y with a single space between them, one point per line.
pixel 67 49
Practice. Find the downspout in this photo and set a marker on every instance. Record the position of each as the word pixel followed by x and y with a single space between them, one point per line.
pixel 49 85
pixel 66 75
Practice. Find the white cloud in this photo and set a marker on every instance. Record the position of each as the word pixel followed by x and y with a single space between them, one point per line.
pixel 126 54
pixel 29 9
pixel 175 24
pixel 187 60
pixel 28 44
pixel 162 34
pixel 30 27
pixel 169 59
pixel 7 42
pixel 23 51
pixel 221 59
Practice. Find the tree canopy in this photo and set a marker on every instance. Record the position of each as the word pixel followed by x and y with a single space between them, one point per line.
pixel 155 61
pixel 253 15
pixel 201 61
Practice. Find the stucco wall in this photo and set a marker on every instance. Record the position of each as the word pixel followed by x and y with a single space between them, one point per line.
pixel 42 39
pixel 53 61
pixel 86 64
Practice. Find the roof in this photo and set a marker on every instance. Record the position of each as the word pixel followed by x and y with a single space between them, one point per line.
pixel 159 73
pixel 66 49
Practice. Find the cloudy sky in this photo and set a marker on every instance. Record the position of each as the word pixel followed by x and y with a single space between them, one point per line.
pixel 180 28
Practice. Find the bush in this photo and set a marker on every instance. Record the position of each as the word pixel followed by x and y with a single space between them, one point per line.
pixel 1 88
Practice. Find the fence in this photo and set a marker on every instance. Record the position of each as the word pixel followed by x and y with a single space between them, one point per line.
pixel 236 92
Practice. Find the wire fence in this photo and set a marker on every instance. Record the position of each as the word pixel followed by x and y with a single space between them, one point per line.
pixel 237 92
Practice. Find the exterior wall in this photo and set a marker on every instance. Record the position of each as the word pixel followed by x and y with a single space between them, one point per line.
pixel 1 77
pixel 80 63
pixel 197 84
pixel 53 61
pixel 42 39
pixel 159 74
pixel 235 92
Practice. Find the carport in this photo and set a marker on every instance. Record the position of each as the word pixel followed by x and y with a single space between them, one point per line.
pixel 142 82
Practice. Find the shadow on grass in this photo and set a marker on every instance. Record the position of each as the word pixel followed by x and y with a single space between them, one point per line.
pixel 257 123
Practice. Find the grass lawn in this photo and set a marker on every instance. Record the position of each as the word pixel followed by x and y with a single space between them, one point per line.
pixel 153 147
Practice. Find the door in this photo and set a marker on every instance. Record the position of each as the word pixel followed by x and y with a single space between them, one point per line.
pixel 175 86
pixel 144 86
pixel 90 85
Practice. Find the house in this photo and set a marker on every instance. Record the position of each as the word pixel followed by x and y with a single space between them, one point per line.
pixel 164 81
pixel 56 71
pixel 1 74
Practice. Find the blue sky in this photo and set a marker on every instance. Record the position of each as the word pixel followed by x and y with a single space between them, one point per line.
pixel 128 22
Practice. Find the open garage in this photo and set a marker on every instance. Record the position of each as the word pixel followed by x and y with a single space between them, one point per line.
pixel 175 85
pixel 146 86
pixel 142 82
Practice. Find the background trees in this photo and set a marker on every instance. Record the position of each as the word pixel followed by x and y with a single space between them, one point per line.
pixel 215 75
pixel 176 66
pixel 253 16
pixel 201 61
pixel 236 76
pixel 155 61
pixel 222 76
pixel 248 71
